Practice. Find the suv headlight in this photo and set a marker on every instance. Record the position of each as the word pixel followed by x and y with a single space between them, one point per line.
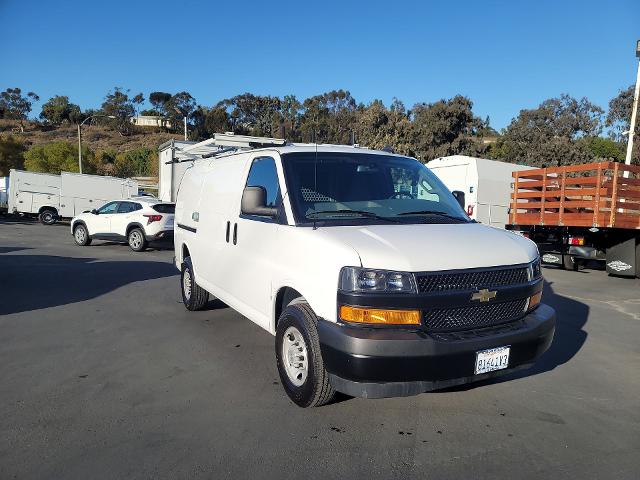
pixel 362 280
pixel 533 270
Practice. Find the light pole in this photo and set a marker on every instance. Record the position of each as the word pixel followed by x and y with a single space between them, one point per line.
pixel 634 111
pixel 80 138
pixel 185 121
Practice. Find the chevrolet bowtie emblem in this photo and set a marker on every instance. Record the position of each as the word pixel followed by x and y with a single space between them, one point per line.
pixel 484 295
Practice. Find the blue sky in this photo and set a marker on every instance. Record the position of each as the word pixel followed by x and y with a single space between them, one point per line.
pixel 504 55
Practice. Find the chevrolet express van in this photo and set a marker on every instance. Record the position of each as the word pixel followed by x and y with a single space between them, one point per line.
pixel 363 265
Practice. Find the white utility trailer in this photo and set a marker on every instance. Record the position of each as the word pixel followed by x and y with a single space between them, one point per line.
pixel 487 185
pixel 175 156
pixel 51 197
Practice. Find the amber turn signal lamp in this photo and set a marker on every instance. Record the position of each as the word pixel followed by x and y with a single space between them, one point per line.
pixel 379 316
pixel 534 300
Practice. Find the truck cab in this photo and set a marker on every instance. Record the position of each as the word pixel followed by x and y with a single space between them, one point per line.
pixel 365 268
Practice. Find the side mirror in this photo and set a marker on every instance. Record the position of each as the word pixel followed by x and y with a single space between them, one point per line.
pixel 94 211
pixel 459 197
pixel 254 202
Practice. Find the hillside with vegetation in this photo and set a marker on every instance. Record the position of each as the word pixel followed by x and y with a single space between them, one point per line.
pixel 560 131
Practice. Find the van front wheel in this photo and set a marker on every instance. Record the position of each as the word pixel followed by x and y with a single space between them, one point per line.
pixel 194 296
pixel 299 359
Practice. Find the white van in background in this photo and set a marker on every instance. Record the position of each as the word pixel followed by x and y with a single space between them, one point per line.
pixel 363 265
pixel 4 188
pixel 487 185
pixel 50 197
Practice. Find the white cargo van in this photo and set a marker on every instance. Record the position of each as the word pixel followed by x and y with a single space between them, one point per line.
pixel 51 197
pixel 363 265
pixel 486 185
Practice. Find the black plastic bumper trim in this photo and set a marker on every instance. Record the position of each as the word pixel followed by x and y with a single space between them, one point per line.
pixel 382 362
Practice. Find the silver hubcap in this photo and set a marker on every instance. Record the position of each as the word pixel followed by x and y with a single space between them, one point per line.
pixel 80 235
pixel 294 356
pixel 186 284
pixel 135 239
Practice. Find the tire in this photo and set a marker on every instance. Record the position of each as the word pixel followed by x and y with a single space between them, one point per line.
pixel 194 296
pixel 136 240
pixel 48 216
pixel 310 386
pixel 81 235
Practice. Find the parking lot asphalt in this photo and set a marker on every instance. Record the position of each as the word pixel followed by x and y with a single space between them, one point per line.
pixel 104 374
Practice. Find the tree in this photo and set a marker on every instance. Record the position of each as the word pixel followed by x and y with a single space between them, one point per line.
pixel 548 135
pixel 446 127
pixel 329 117
pixel 58 109
pixel 253 114
pixel 16 106
pixel 604 148
pixel 11 154
pixel 56 157
pixel 159 101
pixel 380 127
pixel 119 105
pixel 209 121
pixel 619 118
pixel 180 105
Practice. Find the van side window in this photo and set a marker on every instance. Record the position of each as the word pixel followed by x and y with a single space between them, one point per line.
pixel 263 174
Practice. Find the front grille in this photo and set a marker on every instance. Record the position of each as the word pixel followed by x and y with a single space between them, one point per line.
pixel 470 279
pixel 476 316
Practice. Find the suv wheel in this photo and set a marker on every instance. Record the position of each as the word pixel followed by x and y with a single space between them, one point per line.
pixel 136 240
pixel 194 296
pixel 81 235
pixel 48 217
pixel 299 359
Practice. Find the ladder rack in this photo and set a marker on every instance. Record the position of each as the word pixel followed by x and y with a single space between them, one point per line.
pixel 223 143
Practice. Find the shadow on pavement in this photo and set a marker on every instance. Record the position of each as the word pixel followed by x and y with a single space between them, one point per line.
pixel 33 282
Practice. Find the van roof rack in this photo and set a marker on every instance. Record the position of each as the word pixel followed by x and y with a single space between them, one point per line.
pixel 222 143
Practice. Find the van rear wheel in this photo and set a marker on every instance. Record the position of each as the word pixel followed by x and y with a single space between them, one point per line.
pixel 194 296
pixel 299 359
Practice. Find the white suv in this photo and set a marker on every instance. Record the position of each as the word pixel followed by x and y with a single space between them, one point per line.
pixel 137 221
pixel 364 266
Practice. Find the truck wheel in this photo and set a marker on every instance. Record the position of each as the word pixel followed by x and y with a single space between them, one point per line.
pixel 48 216
pixel 299 359
pixel 136 240
pixel 81 235
pixel 194 296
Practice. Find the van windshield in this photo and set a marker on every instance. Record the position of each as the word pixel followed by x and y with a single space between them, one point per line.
pixel 366 188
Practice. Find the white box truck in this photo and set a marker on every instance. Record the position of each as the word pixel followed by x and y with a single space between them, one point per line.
pixel 487 185
pixel 50 197
pixel 32 194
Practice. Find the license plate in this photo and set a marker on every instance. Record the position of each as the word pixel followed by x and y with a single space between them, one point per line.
pixel 169 222
pixel 492 359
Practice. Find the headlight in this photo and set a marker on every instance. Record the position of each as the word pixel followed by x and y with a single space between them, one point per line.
pixel 533 270
pixel 360 280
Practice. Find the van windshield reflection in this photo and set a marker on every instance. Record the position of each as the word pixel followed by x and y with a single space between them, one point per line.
pixel 335 187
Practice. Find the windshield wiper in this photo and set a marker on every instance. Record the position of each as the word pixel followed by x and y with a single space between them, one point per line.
pixel 363 213
pixel 433 212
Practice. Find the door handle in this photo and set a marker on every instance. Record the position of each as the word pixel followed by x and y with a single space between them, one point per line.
pixel 235 233
pixel 228 231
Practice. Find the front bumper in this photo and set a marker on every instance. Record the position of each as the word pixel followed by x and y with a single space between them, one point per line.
pixel 382 362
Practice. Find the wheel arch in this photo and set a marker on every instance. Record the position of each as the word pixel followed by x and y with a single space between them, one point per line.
pixel 284 297
pixel 133 225
pixel 47 207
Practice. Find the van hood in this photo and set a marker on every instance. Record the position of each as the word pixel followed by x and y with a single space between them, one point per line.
pixel 429 247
